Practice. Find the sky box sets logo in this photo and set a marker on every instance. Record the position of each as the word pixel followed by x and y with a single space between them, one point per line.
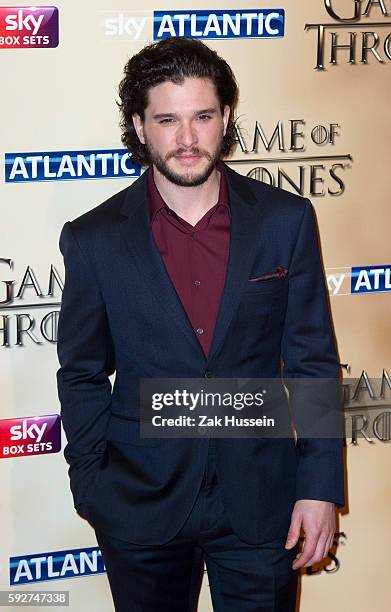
pixel 218 24
pixel 25 436
pixel 28 27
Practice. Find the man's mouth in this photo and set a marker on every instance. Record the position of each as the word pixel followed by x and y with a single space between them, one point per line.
pixel 185 155
pixel 188 158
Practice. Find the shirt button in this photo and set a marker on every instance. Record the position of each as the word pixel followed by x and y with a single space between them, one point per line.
pixel 199 330
pixel 197 282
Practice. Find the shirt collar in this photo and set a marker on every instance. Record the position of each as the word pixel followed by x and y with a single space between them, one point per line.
pixel 156 202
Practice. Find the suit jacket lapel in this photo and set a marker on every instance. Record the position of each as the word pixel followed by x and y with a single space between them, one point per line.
pixel 137 234
pixel 246 217
pixel 244 238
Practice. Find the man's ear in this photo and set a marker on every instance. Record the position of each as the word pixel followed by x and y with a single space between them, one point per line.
pixel 139 127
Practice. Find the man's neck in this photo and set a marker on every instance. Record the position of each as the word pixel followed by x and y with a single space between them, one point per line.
pixel 190 203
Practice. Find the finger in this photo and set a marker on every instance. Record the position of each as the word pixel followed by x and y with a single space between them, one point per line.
pixel 309 548
pixel 293 533
pixel 329 544
pixel 319 550
pixel 293 536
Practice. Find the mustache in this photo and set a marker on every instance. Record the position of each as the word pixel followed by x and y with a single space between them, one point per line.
pixel 193 151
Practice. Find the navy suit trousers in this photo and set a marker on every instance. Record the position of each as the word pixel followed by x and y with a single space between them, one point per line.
pixel 167 578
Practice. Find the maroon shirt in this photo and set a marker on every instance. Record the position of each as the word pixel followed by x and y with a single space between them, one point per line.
pixel 195 256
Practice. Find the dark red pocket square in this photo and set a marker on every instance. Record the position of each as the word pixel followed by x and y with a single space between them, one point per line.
pixel 279 272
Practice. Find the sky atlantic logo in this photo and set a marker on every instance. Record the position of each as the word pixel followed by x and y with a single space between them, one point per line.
pixel 222 24
pixel 69 165
pixel 359 279
pixel 28 27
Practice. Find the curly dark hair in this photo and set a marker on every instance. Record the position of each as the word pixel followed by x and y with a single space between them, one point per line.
pixel 172 59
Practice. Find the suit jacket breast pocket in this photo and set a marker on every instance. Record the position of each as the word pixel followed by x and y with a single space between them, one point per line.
pixel 259 301
pixel 267 286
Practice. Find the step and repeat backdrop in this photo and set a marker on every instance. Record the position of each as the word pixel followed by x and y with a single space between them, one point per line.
pixel 313 118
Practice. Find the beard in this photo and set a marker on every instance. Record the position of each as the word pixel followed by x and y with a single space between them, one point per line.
pixel 190 177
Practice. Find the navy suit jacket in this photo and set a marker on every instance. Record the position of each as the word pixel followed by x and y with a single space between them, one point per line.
pixel 120 312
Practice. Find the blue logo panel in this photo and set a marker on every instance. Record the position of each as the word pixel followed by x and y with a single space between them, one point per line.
pixel 69 165
pixel 226 24
pixel 56 565
pixel 370 279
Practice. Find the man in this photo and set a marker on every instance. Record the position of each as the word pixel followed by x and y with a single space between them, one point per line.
pixel 157 285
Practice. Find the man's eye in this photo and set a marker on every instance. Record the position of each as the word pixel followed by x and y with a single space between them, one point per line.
pixel 169 119
pixel 204 117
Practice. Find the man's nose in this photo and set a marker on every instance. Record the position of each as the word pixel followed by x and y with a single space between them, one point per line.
pixel 186 134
